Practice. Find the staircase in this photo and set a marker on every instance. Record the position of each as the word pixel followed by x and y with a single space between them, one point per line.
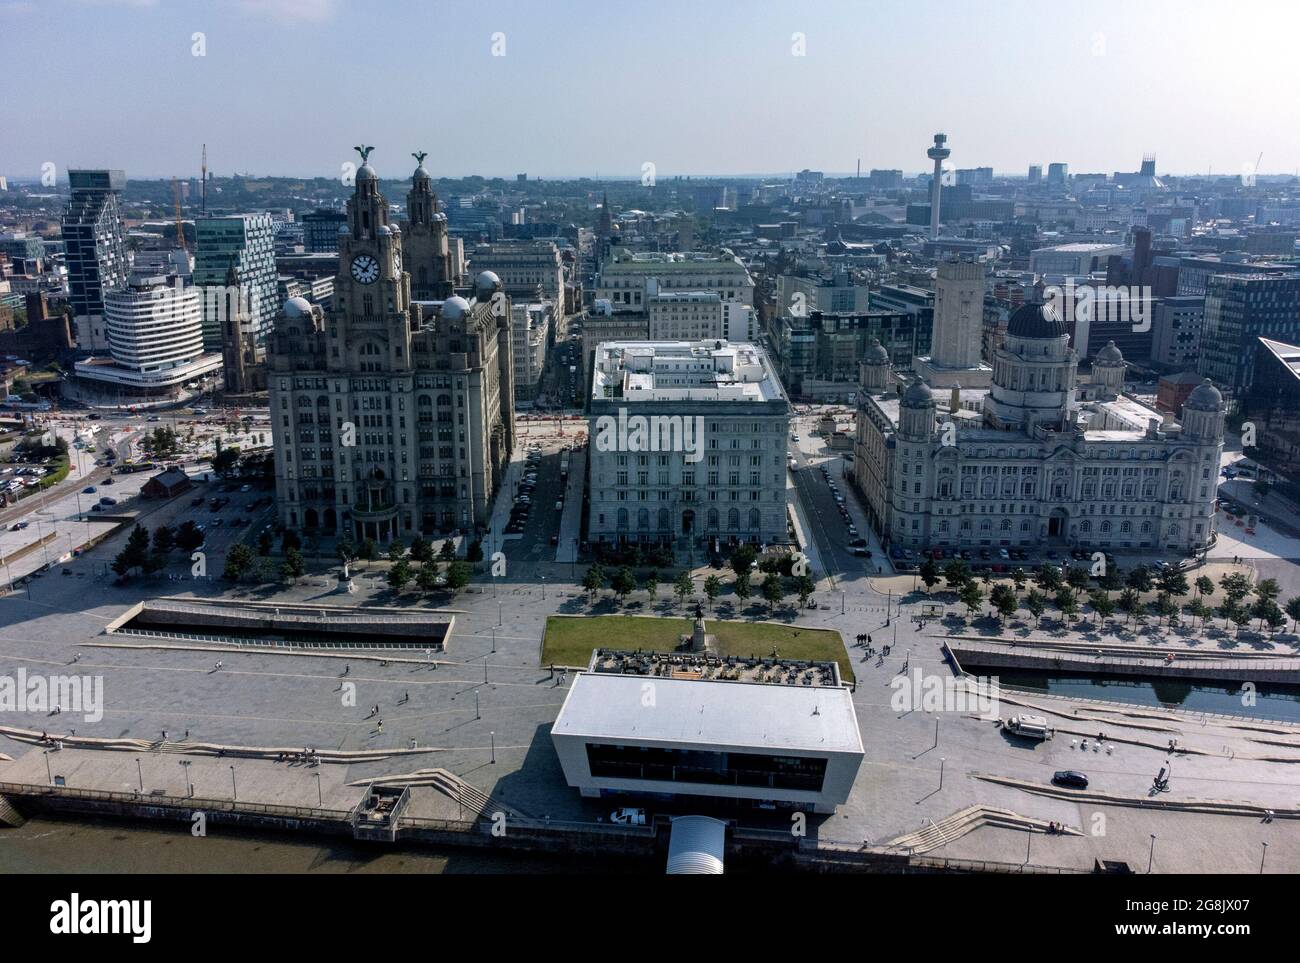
pixel 966 821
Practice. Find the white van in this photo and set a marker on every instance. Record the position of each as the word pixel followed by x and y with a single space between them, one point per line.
pixel 1031 727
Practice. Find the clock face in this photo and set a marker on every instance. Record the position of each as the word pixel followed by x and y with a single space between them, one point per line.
pixel 365 269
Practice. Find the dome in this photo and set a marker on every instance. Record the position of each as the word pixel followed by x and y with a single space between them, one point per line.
pixel 394 228
pixel 297 307
pixel 384 230
pixel 1109 355
pixel 918 395
pixel 1205 397
pixel 487 284
pixel 366 173
pixel 876 353
pixel 1038 321
pixel 454 308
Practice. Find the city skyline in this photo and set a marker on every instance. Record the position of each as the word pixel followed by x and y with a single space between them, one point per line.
pixel 1096 86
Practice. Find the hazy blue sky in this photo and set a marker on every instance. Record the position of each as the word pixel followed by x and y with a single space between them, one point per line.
pixel 599 88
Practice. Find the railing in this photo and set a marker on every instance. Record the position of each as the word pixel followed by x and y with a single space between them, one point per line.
pixel 174 802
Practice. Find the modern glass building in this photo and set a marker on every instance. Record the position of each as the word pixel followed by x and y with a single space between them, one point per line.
pixel 236 249
pixel 1239 310
pixel 96 254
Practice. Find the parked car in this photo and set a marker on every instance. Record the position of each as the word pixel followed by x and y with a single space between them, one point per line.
pixel 89 490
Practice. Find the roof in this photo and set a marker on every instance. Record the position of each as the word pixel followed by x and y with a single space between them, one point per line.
pixel 733 714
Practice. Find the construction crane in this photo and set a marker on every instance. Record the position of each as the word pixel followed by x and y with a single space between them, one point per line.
pixel 180 223
pixel 204 184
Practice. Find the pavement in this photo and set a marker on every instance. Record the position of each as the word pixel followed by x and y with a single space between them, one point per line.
pixel 486 706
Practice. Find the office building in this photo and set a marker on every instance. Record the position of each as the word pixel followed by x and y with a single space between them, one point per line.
pixel 392 417
pixel 97 258
pixel 236 250
pixel 718 475
pixel 1239 310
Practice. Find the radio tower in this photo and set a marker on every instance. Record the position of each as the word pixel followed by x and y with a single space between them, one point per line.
pixel 938 153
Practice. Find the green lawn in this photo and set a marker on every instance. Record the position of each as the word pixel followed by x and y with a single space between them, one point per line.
pixel 570 640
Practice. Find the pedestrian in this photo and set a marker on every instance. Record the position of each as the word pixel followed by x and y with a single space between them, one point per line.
pixel 347 669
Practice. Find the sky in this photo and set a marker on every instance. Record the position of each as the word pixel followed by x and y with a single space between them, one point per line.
pixel 566 88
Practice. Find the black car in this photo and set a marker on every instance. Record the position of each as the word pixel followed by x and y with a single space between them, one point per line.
pixel 1070 778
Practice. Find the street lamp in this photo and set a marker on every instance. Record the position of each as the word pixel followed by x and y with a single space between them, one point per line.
pixel 493 736
pixel 320 796
pixel 1151 855
pixel 189 783
pixel 234 790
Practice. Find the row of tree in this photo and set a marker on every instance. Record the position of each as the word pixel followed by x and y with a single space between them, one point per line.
pixel 623 582
pixel 1236 606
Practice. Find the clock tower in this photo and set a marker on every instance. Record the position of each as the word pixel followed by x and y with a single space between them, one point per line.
pixel 372 298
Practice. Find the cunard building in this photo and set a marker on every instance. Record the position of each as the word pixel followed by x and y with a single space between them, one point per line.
pixel 392 415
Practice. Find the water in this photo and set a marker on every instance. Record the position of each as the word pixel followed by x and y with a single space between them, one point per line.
pixel 1271 701
pixel 81 845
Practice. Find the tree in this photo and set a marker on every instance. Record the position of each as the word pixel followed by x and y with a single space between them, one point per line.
pixel 744 591
pixel 683 587
pixel 773 590
pixel 448 550
pixel 1205 585
pixel 1241 615
pixel 1067 602
pixel 396 549
pixel 972 596
pixel 458 573
pixel 1035 604
pixel 475 551
pixel 1268 590
pixel 265 543
pixel 594 580
pixel 713 588
pixel 1164 607
pixel 421 550
pixel 239 560
pixel 427 577
pixel 294 566
pixel 225 460
pixel 1173 581
pixel 1019 577
pixel 1139 579
pixel 1102 604
pixel 1199 610
pixel 742 559
pixel 399 574
pixel 290 541
pixel 1048 577
pixel 623 583
pixel 1077 577
pixel 137 546
pixel 804 587
pixel 652 584
pixel 1236 585
pixel 1112 579
pixel 1274 617
pixel 1293 610
pixel 369 550
pixel 122 565
pixel 164 539
pixel 1130 602
pixel 1003 598
pixel 188 536
pixel 956 573
pixel 929 573
pixel 1227 610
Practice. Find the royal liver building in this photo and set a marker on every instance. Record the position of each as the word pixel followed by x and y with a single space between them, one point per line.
pixel 392 416
pixel 1036 458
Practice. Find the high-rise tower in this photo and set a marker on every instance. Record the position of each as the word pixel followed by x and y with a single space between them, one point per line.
pixel 938 153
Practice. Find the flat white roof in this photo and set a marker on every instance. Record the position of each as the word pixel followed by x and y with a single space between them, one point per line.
pixel 697 713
